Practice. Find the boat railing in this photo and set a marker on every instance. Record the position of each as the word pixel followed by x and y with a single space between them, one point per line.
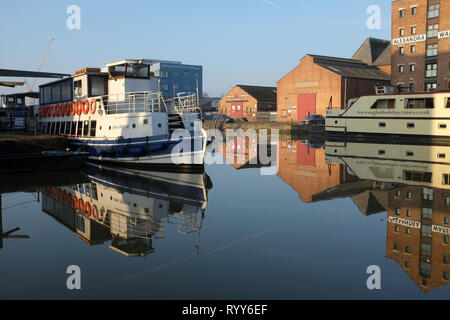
pixel 186 103
pixel 132 102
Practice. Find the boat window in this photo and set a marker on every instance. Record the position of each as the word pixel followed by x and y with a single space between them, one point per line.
pixel 10 99
pixel 417 176
pixel 442 126
pixel 117 71
pixel 97 86
pixel 94 191
pixel 79 128
pixel 48 94
pixel 56 92
pixel 77 88
pixel 68 127
pixel 93 128
pixel 86 128
pixel 447 105
pixel 66 90
pixel 420 103
pixel 382 124
pixel 137 71
pixel 384 104
pixel 410 125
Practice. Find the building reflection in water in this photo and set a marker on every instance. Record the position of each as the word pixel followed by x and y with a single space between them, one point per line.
pixel 416 198
pixel 129 208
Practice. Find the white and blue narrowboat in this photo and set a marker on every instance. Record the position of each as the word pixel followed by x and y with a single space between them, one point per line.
pixel 119 116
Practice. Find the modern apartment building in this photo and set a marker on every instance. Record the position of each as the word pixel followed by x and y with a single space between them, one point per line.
pixel 421 44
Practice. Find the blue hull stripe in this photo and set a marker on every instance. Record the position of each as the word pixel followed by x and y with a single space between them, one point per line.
pixel 135 147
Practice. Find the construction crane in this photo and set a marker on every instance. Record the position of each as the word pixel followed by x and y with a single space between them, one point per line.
pixel 30 88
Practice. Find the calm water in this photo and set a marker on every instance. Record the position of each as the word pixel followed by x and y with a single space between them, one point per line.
pixel 308 231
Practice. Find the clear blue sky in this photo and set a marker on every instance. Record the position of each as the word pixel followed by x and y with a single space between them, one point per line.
pixel 237 41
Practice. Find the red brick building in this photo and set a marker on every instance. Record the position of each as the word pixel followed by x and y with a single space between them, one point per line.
pixel 421 44
pixel 305 169
pixel 320 82
pixel 248 101
pixel 418 234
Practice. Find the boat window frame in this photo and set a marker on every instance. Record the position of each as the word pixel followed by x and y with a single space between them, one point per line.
pixel 79 131
pixel 85 128
pixel 426 100
pixel 389 106
pixel 92 128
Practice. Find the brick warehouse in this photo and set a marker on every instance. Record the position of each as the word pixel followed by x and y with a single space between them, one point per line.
pixel 248 102
pixel 421 44
pixel 319 82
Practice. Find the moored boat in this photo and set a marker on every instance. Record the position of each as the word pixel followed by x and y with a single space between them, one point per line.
pixel 118 115
pixel 413 115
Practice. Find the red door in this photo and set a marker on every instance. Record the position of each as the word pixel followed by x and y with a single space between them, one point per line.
pixel 236 110
pixel 305 155
pixel 306 105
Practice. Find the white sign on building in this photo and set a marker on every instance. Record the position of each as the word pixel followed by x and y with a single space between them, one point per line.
pixel 407 40
pixel 444 34
pixel 405 222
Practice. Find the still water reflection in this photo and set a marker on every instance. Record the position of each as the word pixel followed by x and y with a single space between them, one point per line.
pixel 331 209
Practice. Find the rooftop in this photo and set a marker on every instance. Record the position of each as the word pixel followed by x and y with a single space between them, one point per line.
pixel 375 52
pixel 260 93
pixel 350 68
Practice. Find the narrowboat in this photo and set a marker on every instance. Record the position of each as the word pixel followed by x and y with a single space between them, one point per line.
pixel 117 115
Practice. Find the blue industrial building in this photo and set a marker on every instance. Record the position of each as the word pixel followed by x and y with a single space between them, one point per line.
pixel 175 77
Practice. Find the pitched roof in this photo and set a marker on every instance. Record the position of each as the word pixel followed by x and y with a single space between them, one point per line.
pixel 206 100
pixel 350 68
pixel 375 52
pixel 260 93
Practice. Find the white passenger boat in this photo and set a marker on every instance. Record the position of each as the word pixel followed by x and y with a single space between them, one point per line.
pixel 118 116
pixel 388 115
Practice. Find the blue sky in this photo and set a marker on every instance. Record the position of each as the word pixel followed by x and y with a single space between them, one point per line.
pixel 248 41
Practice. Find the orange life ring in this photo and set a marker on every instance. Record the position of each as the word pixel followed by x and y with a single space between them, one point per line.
pixel 95 212
pixel 86 105
pixel 93 106
pixel 67 108
pixel 88 209
pixel 73 108
pixel 75 203
pixel 80 205
pixel 58 110
pixel 79 107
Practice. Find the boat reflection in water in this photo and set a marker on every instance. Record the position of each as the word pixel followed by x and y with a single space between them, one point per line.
pixel 414 188
pixel 130 208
